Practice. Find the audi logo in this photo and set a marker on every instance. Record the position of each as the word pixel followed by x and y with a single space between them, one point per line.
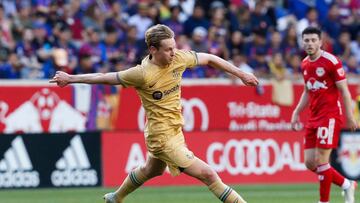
pixel 254 156
pixel 188 107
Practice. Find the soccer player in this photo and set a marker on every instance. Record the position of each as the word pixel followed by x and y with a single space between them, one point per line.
pixel 324 78
pixel 157 82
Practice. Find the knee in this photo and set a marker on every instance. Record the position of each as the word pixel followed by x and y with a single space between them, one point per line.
pixel 208 176
pixel 151 173
pixel 311 164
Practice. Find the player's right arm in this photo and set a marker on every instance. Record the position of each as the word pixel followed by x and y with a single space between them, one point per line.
pixel 62 79
pixel 131 77
pixel 304 100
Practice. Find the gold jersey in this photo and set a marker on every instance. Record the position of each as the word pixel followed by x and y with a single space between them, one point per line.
pixel 160 94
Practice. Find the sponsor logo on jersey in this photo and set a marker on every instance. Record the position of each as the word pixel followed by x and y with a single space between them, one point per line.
pixel 313 85
pixel 320 71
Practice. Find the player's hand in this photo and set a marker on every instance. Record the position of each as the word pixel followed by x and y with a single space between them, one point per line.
pixel 249 79
pixel 295 122
pixel 352 124
pixel 61 79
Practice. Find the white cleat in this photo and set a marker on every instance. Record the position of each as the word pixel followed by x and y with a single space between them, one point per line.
pixel 349 194
pixel 110 198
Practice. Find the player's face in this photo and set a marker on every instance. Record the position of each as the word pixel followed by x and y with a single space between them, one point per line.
pixel 311 43
pixel 166 52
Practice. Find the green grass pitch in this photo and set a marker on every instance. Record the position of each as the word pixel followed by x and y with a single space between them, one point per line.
pixel 297 193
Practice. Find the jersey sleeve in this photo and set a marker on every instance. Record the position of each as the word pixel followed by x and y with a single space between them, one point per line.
pixel 132 77
pixel 338 72
pixel 189 58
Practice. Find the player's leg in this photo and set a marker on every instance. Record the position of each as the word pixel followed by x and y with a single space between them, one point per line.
pixel 317 160
pixel 319 143
pixel 202 171
pixel 152 168
pixel 335 177
pixel 324 172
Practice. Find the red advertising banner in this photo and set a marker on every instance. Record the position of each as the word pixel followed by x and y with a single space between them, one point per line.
pixel 239 158
pixel 35 109
pixel 221 107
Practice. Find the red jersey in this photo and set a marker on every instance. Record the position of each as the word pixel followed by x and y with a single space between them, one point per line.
pixel 320 76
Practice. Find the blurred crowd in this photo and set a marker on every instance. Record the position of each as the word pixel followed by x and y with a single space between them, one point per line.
pixel 39 37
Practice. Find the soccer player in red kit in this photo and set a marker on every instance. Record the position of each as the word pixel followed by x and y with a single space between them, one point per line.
pixel 324 79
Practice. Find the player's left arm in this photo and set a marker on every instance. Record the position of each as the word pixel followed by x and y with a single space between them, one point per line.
pixel 217 62
pixel 345 93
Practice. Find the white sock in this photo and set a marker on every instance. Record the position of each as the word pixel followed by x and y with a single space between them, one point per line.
pixel 346 185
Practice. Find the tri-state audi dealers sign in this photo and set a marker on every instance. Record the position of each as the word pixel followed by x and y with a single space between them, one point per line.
pixel 50 160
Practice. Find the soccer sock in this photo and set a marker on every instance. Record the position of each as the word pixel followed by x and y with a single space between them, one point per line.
pixel 225 193
pixel 325 177
pixel 338 179
pixel 134 180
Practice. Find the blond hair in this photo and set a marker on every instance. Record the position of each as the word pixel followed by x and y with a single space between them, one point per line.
pixel 156 33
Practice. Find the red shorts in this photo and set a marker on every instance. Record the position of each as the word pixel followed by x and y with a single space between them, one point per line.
pixel 325 136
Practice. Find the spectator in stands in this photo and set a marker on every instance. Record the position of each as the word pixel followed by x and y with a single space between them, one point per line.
pixel 6 37
pixel 164 9
pixel 198 43
pixel 10 66
pixel 154 14
pixel 332 24
pixel 141 20
pixel 355 47
pixel 243 25
pixel 277 67
pixel 182 42
pixel 259 19
pixel 59 61
pixel 63 34
pixel 27 55
pixel 311 19
pixel 237 43
pixel 21 21
pixel 258 43
pixel 327 42
pixel 352 66
pixel 290 44
pixel 244 19
pixel 293 65
pixel 93 17
pixel 259 63
pixel 275 43
pixel 342 45
pixel 86 64
pixel 116 17
pixel 174 21
pixel 132 49
pixel 97 49
pixel 112 47
pixel 197 19
pixel 76 14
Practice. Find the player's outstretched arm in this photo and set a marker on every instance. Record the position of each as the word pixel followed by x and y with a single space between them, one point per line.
pixel 62 79
pixel 217 62
pixel 345 93
pixel 295 119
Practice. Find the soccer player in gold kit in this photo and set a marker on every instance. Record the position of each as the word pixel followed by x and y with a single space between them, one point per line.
pixel 157 81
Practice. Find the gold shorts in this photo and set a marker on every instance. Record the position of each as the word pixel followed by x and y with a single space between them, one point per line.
pixel 175 154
